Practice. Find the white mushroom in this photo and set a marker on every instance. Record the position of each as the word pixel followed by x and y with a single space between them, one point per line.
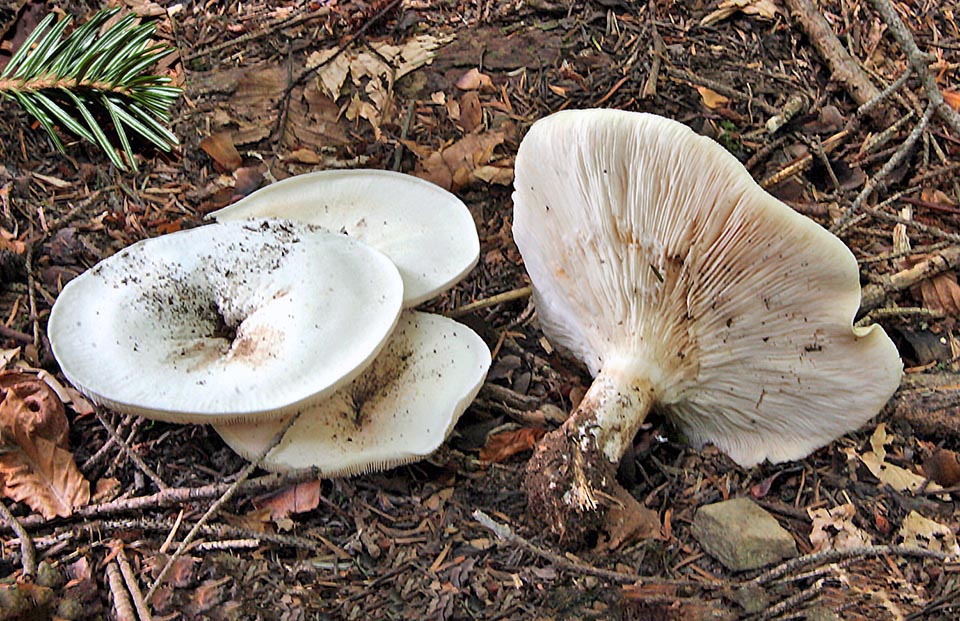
pixel 232 321
pixel 657 261
pixel 427 232
pixel 399 410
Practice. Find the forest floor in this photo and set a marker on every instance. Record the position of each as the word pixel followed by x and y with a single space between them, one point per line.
pixel 445 89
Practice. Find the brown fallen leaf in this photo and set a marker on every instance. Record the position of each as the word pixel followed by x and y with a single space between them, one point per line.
pixel 712 99
pixel 952 98
pixel 473 80
pixel 471 113
pixel 33 469
pixel 504 445
pixel 943 467
pixel 941 293
pixel 833 529
pixel 298 498
pixel 220 147
pixel 43 415
pixel 455 166
pixel 627 521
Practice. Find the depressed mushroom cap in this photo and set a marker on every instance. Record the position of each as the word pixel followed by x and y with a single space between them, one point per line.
pixel 653 253
pixel 399 410
pixel 425 230
pixel 224 322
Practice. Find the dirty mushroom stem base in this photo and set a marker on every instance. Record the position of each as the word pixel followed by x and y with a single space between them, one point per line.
pixel 571 480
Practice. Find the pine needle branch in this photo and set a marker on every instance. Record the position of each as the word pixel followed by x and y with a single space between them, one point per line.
pixel 91 83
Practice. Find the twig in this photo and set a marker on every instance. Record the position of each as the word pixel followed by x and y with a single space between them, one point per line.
pixel 133 586
pixel 791 602
pixel 266 30
pixel 879 180
pixel 500 298
pixel 32 298
pixel 918 62
pixel 28 555
pixel 121 600
pixel 832 556
pixel 215 507
pixel 504 532
pixel 843 67
pixel 147 470
pixel 103 450
pixel 873 294
pixel 723 89
pixel 174 496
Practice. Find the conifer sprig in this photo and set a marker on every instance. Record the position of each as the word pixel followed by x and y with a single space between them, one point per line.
pixel 72 80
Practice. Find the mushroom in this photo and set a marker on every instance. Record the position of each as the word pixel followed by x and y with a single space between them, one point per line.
pixel 683 286
pixel 219 323
pixel 399 410
pixel 427 232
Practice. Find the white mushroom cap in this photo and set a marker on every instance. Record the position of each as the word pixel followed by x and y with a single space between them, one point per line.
pixel 425 230
pixel 225 322
pixel 660 263
pixel 400 410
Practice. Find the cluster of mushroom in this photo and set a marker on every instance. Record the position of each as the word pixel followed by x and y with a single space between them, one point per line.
pixel 683 286
pixel 295 302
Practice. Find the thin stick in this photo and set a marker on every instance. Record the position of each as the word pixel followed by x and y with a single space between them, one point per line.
pixel 918 62
pixel 147 470
pixel 873 294
pixel 500 298
pixel 133 586
pixel 215 507
pixel 121 600
pixel 502 531
pixel 28 555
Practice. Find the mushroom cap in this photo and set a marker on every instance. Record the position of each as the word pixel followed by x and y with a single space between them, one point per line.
pixel 399 410
pixel 654 254
pixel 425 230
pixel 222 323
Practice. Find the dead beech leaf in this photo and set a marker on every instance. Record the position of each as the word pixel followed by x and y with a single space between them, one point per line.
pixel 760 8
pixel 502 446
pixel 43 413
pixel 220 147
pixel 298 498
pixel 896 477
pixel 33 469
pixel 471 114
pixel 920 532
pixel 474 80
pixel 454 166
pixel 712 99
pixel 627 521
pixel 833 529
pixel 943 466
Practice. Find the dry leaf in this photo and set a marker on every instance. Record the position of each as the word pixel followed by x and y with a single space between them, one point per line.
pixel 712 99
pixel 298 498
pixel 220 147
pixel 471 114
pixel 504 445
pixel 896 477
pixel 627 521
pixel 943 466
pixel 474 80
pixel 952 98
pixel 834 529
pixel 454 167
pixel 920 532
pixel 759 8
pixel 33 469
pixel 43 415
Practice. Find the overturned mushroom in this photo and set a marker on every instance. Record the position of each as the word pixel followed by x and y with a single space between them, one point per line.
pixel 683 286
pixel 219 323
pixel 399 410
pixel 426 231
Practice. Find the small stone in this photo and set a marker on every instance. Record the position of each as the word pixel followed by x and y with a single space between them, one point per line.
pixel 741 535
pixel 820 613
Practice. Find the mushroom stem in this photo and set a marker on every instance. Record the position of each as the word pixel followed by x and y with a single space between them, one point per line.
pixel 571 480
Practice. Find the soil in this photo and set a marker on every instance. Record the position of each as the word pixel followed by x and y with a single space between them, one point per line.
pixel 406 543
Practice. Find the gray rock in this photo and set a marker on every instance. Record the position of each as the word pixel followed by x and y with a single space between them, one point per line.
pixel 741 535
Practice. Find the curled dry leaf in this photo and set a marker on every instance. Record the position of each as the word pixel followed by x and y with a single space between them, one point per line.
pixel 298 498
pixel 504 445
pixel 712 99
pixel 220 147
pixel 43 414
pixel 465 162
pixel 474 80
pixel 943 467
pixel 833 529
pixel 33 468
